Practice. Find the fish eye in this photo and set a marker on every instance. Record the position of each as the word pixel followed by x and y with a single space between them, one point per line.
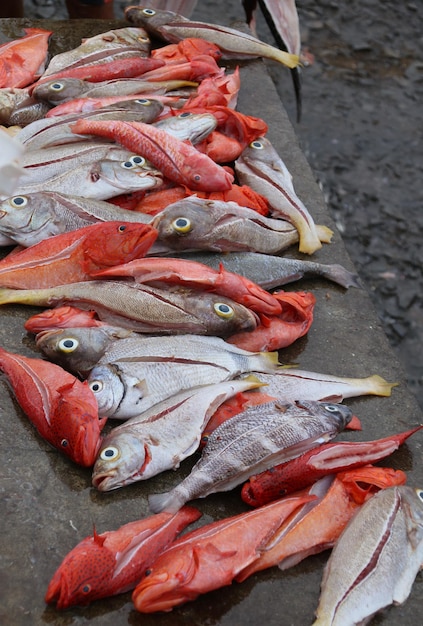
pixel 128 165
pixel 185 114
pixel 144 101
pixel 121 228
pixel 68 344
pixel 109 454
pixel 182 225
pixel 419 493
pixel 197 178
pixel 64 443
pixel 148 12
pixel 96 386
pixel 86 588
pixel 332 408
pixel 143 39
pixel 56 86
pixel 148 572
pixel 137 160
pixel 18 201
pixel 224 310
pixel 258 145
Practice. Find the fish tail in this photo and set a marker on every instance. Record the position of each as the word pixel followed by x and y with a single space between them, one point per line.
pixel 9 296
pixel 341 276
pixel 167 501
pixel 324 233
pixel 286 58
pixel 254 381
pixel 378 386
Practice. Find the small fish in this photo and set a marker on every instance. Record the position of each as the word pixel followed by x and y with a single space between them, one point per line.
pixel 383 546
pixel 70 257
pixel 161 437
pixel 210 557
pixel 113 562
pixel 256 438
pixel 18 108
pixel 23 60
pixel 62 408
pixel 233 43
pixel 187 126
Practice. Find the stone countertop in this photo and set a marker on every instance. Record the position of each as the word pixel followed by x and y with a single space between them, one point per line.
pixel 49 504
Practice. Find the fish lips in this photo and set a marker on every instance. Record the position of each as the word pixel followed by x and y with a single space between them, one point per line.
pixel 159 593
pixel 58 591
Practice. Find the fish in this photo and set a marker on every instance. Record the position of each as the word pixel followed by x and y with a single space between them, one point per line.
pixel 209 557
pixel 29 219
pixel 23 60
pixel 62 408
pixel 256 439
pixel 383 545
pixel 320 522
pixel 261 167
pixel 18 108
pixel 114 561
pixel 70 257
pixel 187 126
pixel 10 163
pixel 312 465
pixel 177 160
pixel 131 378
pixel 160 438
pixel 142 308
pixel 62 317
pixel 233 43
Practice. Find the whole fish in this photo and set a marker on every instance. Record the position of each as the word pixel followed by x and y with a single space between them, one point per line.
pixel 142 308
pixel 319 524
pixel 177 160
pixel 261 167
pixel 383 546
pixel 62 408
pixel 132 377
pixel 173 27
pixel 114 561
pixel 255 439
pixel 18 108
pixel 314 464
pixel 160 438
pixel 23 60
pixel 29 219
pixel 210 557
pixel 70 257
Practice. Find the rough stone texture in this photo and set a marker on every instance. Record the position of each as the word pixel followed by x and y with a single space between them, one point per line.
pixel 49 505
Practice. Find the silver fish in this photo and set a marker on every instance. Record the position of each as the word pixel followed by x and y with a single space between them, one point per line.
pixel 162 437
pixel 31 218
pixel 193 127
pixel 18 108
pixel 253 441
pixel 233 43
pixel 376 559
pixel 261 167
pixel 145 309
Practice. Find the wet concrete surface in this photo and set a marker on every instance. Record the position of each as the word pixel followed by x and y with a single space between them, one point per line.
pixel 48 504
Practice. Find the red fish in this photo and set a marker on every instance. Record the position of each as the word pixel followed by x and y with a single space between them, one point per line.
pixel 177 160
pixel 218 90
pixel 280 331
pixel 197 69
pixel 65 316
pixel 62 408
pixel 318 525
pixel 70 257
pixel 186 50
pixel 113 562
pixel 210 557
pixel 196 275
pixel 314 464
pixel 23 60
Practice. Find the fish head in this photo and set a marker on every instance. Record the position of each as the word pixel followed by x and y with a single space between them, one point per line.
pixel 133 174
pixel 121 460
pixel 201 173
pixel 108 388
pixel 185 225
pixel 113 243
pixel 223 317
pixel 412 504
pixel 363 482
pixel 60 90
pixel 257 156
pixel 28 218
pixel 194 126
pixel 338 414
pixel 151 19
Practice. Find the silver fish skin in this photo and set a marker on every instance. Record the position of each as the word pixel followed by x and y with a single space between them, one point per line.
pixel 233 43
pixel 187 126
pixel 261 167
pixel 131 377
pixel 18 108
pixel 144 309
pixel 100 48
pixel 31 218
pixel 271 271
pixel 161 437
pixel 253 441
pixel 383 547
pixel 195 224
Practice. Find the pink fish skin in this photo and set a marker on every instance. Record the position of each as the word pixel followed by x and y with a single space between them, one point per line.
pixel 177 160
pixel 210 557
pixel 314 464
pixel 65 316
pixel 22 60
pixel 113 562
pixel 62 408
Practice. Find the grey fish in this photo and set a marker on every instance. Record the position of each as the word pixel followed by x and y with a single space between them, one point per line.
pixel 161 437
pixel 187 126
pixel 253 441
pixel 233 43
pixel 376 559
pixel 145 309
pixel 18 108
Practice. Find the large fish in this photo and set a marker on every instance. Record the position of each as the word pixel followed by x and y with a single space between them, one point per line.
pixel 23 60
pixel 383 549
pixel 114 561
pixel 62 408
pixel 210 557
pixel 70 257
pixel 261 167
pixel 257 438
pixel 145 309
pixel 233 43
pixel 160 438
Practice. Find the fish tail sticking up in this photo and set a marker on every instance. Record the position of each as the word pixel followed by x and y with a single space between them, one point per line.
pixel 324 233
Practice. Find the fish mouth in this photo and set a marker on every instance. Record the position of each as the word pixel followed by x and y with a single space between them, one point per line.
pixel 58 592
pixel 104 481
pixel 158 593
pixel 88 444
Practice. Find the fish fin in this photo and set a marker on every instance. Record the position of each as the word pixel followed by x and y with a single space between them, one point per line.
pixel 381 386
pixel 214 554
pixel 324 233
pixel 98 539
pixel 255 381
pixel 159 502
pixel 272 357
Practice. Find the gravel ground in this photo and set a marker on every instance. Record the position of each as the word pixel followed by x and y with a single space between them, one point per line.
pixel 360 132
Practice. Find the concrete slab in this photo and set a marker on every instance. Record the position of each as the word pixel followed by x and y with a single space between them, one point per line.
pixel 48 504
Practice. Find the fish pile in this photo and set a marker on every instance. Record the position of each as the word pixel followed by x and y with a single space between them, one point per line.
pixel 134 158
